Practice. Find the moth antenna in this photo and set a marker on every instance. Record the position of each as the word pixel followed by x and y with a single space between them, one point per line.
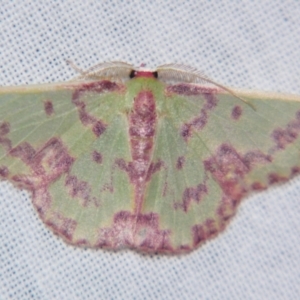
pixel 178 72
pixel 74 67
pixel 118 69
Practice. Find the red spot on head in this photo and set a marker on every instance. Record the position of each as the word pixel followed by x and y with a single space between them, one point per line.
pixel 97 157
pixel 236 112
pixel 144 74
pixel 4 128
pixel 48 106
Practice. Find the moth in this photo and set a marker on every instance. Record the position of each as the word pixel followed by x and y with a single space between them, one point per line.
pixel 153 160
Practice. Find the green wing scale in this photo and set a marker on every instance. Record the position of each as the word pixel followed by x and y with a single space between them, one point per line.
pixel 144 163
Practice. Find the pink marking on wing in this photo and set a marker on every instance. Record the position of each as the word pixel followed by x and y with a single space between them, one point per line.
pixel 46 163
pixel 199 121
pixel 140 232
pixel 4 128
pixel 187 89
pixel 258 186
pixel 229 168
pixel 97 157
pixel 210 228
pixel 205 231
pixel 199 235
pixel 295 171
pixel 82 243
pixel 41 200
pixel 24 151
pixel 98 128
pixel 54 157
pixel 4 141
pixel 4 172
pixel 84 117
pixel 121 163
pixel 96 86
pixel 108 187
pixel 180 162
pixel 80 189
pixel 256 157
pixel 190 194
pixel 77 188
pixel 285 136
pixel 153 168
pixel 227 208
pixel 236 112
pixel 48 107
pixel 78 99
pixel 62 226
pixel 276 178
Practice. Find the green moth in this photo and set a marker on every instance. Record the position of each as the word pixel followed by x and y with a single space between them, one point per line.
pixel 156 161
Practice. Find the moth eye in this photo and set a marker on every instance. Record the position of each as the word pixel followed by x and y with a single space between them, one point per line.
pixel 132 74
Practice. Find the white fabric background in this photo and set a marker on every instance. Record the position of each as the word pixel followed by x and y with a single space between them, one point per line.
pixel 250 44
